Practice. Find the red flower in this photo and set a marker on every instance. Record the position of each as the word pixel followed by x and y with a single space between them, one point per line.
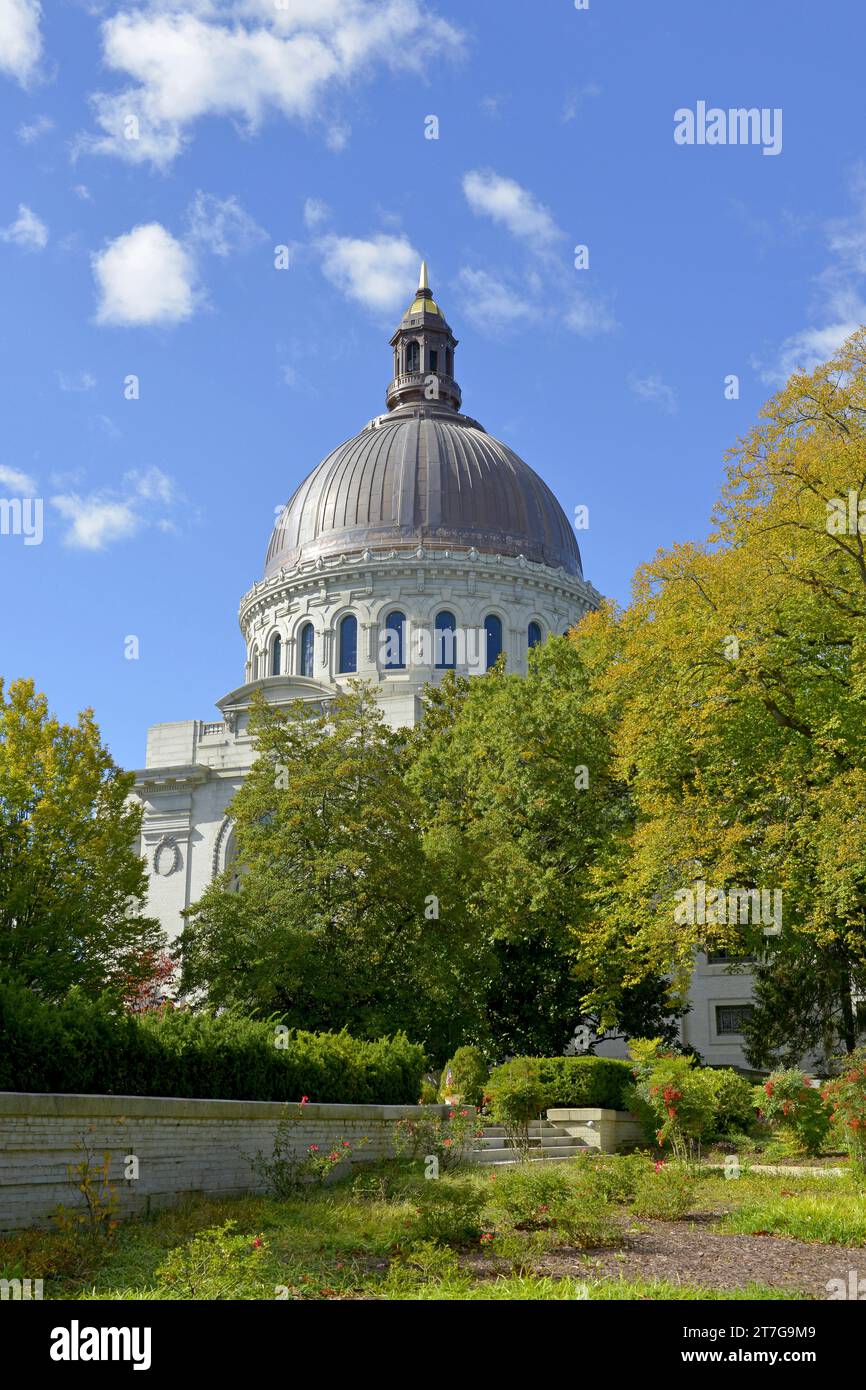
pixel 258 1242
pixel 313 1148
pixel 333 1157
pixel 769 1087
pixel 304 1100
pixel 486 1237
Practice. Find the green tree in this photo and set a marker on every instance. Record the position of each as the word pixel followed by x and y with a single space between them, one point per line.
pixel 337 919
pixel 72 886
pixel 513 779
pixel 735 681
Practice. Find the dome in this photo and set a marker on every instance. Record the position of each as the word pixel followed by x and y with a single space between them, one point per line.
pixel 423 474
pixel 431 478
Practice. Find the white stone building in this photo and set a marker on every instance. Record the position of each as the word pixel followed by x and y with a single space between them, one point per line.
pixel 419 545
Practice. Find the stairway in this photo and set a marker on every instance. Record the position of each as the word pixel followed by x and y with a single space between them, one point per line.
pixel 547 1143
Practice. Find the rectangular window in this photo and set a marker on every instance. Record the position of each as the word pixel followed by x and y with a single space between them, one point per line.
pixel 730 1018
pixel 434 361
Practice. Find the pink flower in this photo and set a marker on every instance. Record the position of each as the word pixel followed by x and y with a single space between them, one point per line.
pixel 257 1243
pixel 304 1100
pixel 314 1148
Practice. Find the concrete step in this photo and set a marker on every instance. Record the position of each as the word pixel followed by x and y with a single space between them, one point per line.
pixel 497 1141
pixel 547 1153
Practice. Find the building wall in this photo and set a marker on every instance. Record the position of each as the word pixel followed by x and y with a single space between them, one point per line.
pixel 182 1146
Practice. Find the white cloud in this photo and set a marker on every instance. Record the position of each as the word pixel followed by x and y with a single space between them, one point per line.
pixel 21 484
pixel 490 303
pixel 249 59
pixel 27 134
pixel 83 192
pixel 221 225
pixel 587 316
pixel 840 301
pixel 653 389
pixel 94 524
pixel 97 520
pixel 379 273
pixel 83 381
pixel 27 231
pixel 315 212
pixel 20 38
pixel 145 277
pixel 489 194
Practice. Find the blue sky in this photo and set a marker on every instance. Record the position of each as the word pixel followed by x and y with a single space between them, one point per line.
pixel 303 125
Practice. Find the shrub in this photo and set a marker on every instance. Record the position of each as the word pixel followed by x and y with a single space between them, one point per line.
pixel 468 1072
pixel 517 1093
pixel 448 1213
pixel 788 1102
pixel 616 1178
pixel 734 1105
pixel 448 1138
pixel 216 1264
pixel 92 1046
pixel 549 1206
pixel 846 1097
pixel 666 1192
pixel 576 1082
pixel 673 1097
pixel 520 1196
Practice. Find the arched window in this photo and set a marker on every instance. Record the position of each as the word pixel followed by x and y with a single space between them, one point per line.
pixel 533 634
pixel 493 633
pixel 306 650
pixel 276 655
pixel 395 642
pixel 348 645
pixel 413 358
pixel 444 653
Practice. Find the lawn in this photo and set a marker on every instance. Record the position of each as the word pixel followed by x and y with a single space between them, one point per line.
pixel 596 1229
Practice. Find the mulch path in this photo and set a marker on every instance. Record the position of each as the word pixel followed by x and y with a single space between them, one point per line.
pixel 685 1252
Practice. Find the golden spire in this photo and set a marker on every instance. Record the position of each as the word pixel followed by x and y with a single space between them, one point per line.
pixel 422 282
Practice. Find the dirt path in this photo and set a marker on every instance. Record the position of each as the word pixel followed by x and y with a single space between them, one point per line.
pixel 685 1252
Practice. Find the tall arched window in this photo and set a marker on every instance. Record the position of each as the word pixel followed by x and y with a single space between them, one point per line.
pixel 413 358
pixel 276 655
pixel 306 650
pixel 533 634
pixel 395 642
pixel 445 641
pixel 348 645
pixel 493 633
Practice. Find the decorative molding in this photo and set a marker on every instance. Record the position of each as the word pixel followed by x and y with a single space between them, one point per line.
pixel 166 857
pixel 221 841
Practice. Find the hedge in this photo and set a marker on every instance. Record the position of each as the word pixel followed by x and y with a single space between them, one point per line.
pixel 574 1082
pixel 90 1046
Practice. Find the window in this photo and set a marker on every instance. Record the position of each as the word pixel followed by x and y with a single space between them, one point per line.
pixel 348 645
pixel 533 634
pixel 729 957
pixel 434 361
pixel 306 650
pixel 449 362
pixel 493 633
pixel 413 358
pixel 444 654
pixel 276 655
pixel 395 642
pixel 730 1018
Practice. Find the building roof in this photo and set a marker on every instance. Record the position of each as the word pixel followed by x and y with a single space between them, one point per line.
pixel 423 474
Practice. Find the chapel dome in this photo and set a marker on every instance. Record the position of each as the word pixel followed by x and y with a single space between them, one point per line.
pixel 423 475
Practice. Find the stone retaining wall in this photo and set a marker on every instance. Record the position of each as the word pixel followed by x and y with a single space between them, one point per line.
pixel 182 1146
pixel 609 1131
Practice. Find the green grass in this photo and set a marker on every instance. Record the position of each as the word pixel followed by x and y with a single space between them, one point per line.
pixel 362 1240
pixel 837 1218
